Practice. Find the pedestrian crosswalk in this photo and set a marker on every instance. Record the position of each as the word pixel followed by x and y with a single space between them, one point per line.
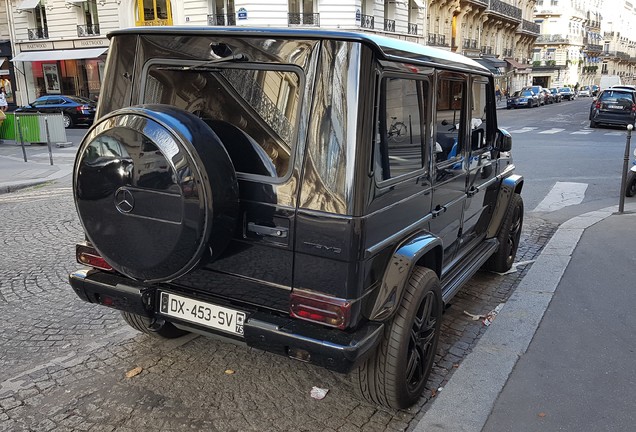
pixel 553 131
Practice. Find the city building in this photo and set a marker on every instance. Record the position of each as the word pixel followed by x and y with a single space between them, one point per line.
pixel 59 46
pixel 583 39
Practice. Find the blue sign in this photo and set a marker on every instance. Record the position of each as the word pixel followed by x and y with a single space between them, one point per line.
pixel 242 14
pixel 358 15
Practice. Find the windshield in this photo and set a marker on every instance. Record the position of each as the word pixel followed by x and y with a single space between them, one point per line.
pixel 565 90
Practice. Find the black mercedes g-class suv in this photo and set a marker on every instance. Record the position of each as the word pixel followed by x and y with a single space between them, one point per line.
pixel 317 194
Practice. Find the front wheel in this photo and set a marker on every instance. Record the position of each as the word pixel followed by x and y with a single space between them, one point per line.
pixel 396 374
pixel 630 188
pixel 509 235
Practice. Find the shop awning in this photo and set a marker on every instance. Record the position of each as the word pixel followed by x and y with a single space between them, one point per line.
pixel 28 4
pixel 519 67
pixel 59 55
pixel 495 66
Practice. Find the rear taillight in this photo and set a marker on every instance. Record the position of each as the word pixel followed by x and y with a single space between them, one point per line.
pixel 319 308
pixel 82 108
pixel 88 256
pixel 633 107
pixel 597 105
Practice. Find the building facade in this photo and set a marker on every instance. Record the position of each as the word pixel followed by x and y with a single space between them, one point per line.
pixel 59 46
pixel 581 40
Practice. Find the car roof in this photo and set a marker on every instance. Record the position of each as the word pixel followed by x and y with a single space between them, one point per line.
pixel 387 47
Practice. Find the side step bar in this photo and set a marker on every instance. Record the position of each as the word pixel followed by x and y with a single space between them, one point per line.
pixel 467 267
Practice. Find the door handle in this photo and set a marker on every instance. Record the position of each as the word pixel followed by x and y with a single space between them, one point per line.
pixel 278 232
pixel 472 191
pixel 438 210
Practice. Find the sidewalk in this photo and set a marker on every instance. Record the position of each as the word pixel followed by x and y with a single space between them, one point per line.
pixel 560 354
pixel 16 174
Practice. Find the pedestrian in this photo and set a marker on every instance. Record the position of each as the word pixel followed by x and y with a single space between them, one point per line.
pixel 498 93
pixel 3 100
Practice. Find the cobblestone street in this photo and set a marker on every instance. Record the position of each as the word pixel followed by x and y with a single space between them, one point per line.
pixel 63 362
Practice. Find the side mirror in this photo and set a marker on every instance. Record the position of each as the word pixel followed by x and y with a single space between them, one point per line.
pixel 503 141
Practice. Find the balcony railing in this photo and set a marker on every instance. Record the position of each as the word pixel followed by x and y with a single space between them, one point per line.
pixel 531 27
pixel 412 29
pixel 389 25
pixel 507 52
pixel 469 44
pixel 552 38
pixel 367 21
pixel 88 30
pixel 437 39
pixel 486 49
pixel 505 9
pixel 38 33
pixel 221 20
pixel 594 47
pixel 307 19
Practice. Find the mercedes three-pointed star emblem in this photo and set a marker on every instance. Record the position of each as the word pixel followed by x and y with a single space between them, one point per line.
pixel 124 200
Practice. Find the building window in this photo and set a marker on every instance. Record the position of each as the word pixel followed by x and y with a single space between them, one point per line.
pixel 303 12
pixel 153 12
pixel 40 27
pixel 90 18
pixel 222 13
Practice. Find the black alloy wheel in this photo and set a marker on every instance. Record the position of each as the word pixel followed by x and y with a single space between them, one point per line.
pixel 509 236
pixel 395 375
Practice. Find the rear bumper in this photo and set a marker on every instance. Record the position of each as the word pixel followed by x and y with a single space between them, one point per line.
pixel 332 349
pixel 613 118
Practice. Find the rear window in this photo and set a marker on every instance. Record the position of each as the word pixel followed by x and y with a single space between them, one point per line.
pixel 252 109
pixel 617 96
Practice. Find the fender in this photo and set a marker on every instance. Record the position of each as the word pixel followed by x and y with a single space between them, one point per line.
pixel 400 266
pixel 509 186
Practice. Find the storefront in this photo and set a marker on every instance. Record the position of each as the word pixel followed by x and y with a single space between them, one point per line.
pixel 7 73
pixel 70 68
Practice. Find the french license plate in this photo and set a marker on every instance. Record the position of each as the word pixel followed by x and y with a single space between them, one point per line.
pixel 615 107
pixel 202 313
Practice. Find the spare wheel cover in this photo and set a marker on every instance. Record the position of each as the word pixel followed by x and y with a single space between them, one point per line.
pixel 155 191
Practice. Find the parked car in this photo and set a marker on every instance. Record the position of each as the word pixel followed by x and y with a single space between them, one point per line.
pixel 536 89
pixel 522 98
pixel 547 96
pixel 585 91
pixel 567 93
pixel 555 94
pixel 75 109
pixel 265 225
pixel 624 87
pixel 614 107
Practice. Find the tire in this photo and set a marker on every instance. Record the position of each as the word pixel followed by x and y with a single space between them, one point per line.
pixel 396 373
pixel 399 133
pixel 67 120
pixel 142 324
pixel 630 187
pixel 593 124
pixel 509 235
pixel 171 215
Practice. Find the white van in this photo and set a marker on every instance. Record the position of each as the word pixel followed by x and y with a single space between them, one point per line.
pixel 608 81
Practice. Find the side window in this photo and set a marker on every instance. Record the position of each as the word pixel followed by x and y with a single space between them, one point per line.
pixel 449 119
pixel 478 120
pixel 401 127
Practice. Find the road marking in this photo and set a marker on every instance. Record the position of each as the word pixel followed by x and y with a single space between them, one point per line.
pixel 552 131
pixel 562 194
pixel 615 133
pixel 523 130
pixel 582 132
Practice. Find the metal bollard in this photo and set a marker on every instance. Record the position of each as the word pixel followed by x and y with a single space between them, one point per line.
pixel 17 124
pixel 621 203
pixel 48 139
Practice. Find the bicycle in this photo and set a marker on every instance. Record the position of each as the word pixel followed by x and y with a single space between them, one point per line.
pixel 397 131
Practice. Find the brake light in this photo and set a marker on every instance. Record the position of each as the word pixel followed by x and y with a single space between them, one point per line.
pixel 81 108
pixel 633 107
pixel 88 256
pixel 597 105
pixel 330 311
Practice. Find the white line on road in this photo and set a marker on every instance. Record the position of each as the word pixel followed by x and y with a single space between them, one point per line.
pixel 581 132
pixel 523 130
pixel 561 195
pixel 552 131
